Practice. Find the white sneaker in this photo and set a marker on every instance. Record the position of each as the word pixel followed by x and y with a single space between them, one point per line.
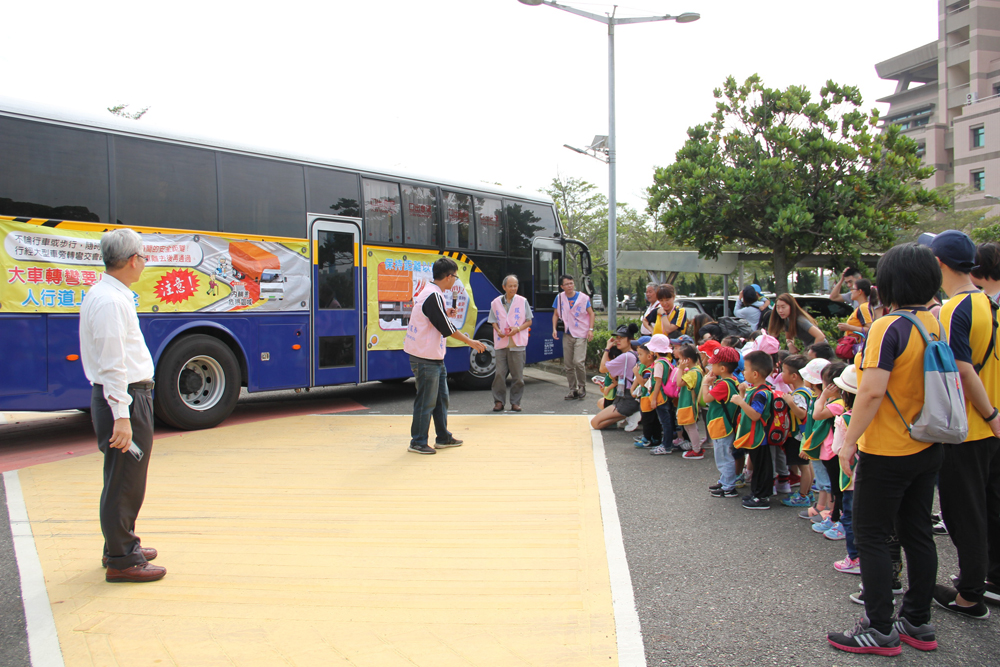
pixel 782 487
pixel 632 421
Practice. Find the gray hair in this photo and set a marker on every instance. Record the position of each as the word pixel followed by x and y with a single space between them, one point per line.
pixel 653 285
pixel 118 246
pixel 508 277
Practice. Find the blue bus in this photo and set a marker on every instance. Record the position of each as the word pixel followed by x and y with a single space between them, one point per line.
pixel 266 270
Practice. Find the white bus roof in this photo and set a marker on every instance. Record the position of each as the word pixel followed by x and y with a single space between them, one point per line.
pixel 21 109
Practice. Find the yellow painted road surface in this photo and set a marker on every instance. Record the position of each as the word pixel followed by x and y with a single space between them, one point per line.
pixel 314 541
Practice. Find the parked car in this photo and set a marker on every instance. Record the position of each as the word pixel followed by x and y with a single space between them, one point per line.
pixel 815 305
pixel 597 301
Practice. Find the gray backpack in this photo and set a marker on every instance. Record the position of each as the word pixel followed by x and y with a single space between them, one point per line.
pixel 943 417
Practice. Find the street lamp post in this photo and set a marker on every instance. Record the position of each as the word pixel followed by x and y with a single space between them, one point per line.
pixel 611 21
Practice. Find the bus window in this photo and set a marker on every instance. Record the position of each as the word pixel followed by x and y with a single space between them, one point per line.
pixel 525 222
pixel 336 270
pixel 333 192
pixel 457 221
pixel 48 171
pixel 383 223
pixel 164 185
pixel 264 197
pixel 420 215
pixel 489 234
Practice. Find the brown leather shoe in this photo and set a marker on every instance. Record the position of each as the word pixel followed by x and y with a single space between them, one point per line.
pixel 515 407
pixel 497 406
pixel 148 552
pixel 137 573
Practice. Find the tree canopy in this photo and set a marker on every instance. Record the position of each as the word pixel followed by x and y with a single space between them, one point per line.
pixel 776 171
pixel 584 214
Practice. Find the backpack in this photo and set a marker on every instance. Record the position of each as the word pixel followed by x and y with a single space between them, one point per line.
pixel 779 426
pixel 734 326
pixel 942 417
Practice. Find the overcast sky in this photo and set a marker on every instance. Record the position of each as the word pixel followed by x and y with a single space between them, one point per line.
pixel 474 90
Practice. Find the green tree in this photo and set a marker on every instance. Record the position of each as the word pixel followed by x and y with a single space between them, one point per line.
pixel 119 110
pixel 778 172
pixel 584 214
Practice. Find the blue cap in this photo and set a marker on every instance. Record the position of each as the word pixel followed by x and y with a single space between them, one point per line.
pixel 757 287
pixel 954 248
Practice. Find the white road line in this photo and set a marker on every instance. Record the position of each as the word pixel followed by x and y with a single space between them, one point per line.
pixel 43 641
pixel 631 652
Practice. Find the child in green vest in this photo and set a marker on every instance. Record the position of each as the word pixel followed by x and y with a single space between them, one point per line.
pixel 756 400
pixel 641 390
pixel 813 434
pixel 800 405
pixel 660 345
pixel 689 382
pixel 718 390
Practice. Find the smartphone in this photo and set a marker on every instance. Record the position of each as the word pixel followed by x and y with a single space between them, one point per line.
pixel 135 451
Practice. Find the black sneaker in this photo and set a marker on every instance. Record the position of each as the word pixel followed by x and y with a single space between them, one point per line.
pixel 450 442
pixel 945 596
pixel 866 639
pixel 722 493
pixel 919 637
pixel 990 595
pixel 421 449
pixel 752 503
pixel 714 487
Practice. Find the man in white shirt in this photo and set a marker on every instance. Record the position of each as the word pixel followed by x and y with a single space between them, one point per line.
pixel 118 364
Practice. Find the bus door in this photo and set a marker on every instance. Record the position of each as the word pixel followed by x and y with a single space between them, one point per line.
pixel 336 301
pixel 578 264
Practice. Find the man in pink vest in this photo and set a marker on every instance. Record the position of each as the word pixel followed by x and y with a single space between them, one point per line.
pixel 574 309
pixel 510 316
pixel 425 343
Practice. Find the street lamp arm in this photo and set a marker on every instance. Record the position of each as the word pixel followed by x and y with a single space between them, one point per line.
pixel 573 10
pixel 644 19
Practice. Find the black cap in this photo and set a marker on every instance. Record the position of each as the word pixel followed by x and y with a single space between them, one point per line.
pixel 624 331
pixel 954 248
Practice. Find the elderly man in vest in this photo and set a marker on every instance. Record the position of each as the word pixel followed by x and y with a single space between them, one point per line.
pixel 574 309
pixel 510 316
pixel 117 362
pixel 425 343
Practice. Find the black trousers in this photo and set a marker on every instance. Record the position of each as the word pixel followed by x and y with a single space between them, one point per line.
pixel 762 481
pixel 833 470
pixel 124 477
pixel 651 428
pixel 900 489
pixel 969 485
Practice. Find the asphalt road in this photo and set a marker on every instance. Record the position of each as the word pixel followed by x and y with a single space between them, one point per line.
pixel 715 584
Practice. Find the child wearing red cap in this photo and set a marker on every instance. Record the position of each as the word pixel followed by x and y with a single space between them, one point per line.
pixel 717 389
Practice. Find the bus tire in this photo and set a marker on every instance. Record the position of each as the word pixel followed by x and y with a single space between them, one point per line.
pixel 482 365
pixel 197 383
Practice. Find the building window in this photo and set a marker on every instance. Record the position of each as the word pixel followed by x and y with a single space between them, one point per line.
pixel 996 88
pixel 978 137
pixel 978 180
pixel 921 149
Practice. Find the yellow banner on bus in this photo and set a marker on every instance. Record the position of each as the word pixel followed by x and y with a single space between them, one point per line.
pixel 50 269
pixel 394 277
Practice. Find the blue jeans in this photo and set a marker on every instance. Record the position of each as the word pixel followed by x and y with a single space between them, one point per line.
pixel 431 400
pixel 665 414
pixel 725 462
pixel 821 475
pixel 846 514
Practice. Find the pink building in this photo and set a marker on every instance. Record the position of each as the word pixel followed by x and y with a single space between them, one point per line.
pixel 947 98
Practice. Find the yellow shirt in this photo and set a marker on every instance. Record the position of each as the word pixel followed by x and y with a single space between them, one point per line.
pixel 968 320
pixel 896 346
pixel 862 316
